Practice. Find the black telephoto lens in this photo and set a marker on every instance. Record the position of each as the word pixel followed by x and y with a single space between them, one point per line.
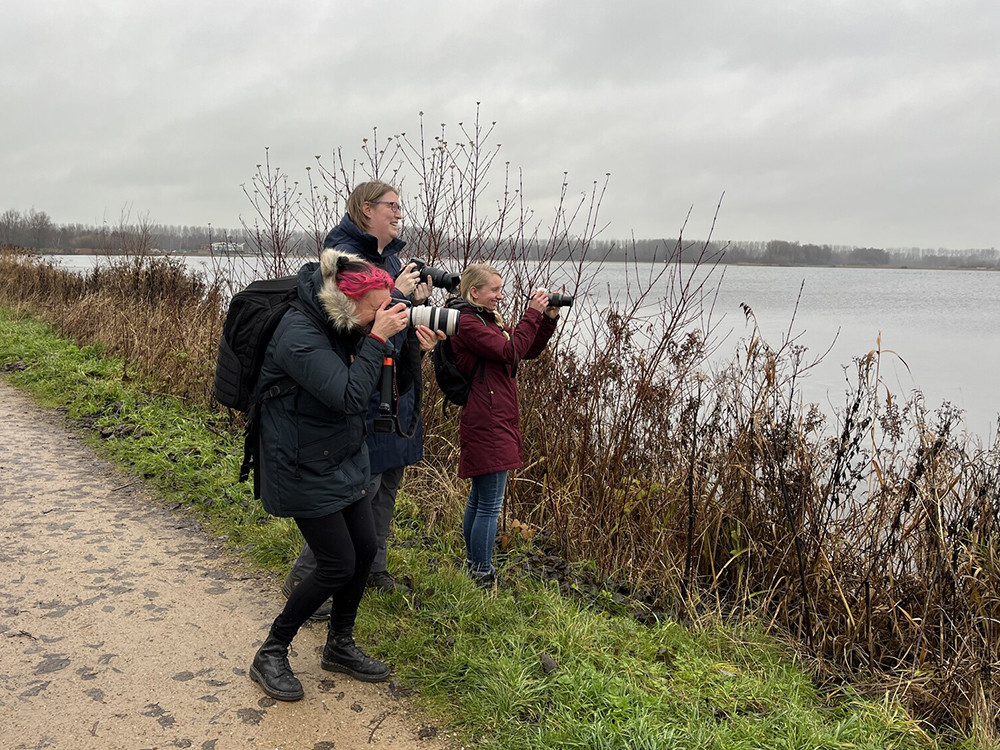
pixel 439 277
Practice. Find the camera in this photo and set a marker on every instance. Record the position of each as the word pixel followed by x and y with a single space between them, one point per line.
pixel 436 318
pixel 439 278
pixel 560 300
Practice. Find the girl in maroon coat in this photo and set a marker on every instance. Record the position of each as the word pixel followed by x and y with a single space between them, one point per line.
pixel 490 431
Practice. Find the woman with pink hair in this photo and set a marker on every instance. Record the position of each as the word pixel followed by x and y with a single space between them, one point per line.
pixel 313 462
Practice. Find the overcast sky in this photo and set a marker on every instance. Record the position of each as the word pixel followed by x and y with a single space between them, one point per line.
pixel 845 122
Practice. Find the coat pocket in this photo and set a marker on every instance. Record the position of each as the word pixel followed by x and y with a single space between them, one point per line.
pixel 332 449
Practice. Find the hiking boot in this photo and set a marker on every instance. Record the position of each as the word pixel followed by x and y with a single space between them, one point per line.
pixel 341 654
pixel 381 581
pixel 271 671
pixel 485 580
pixel 322 613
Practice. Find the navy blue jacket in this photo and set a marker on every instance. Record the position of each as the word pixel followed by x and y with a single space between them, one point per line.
pixel 385 450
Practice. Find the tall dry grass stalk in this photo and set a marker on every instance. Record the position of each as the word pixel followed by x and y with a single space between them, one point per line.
pixel 163 321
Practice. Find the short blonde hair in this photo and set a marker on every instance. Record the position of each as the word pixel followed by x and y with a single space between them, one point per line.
pixel 366 192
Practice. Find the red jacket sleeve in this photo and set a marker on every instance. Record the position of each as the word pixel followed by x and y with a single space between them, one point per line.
pixel 542 336
pixel 487 342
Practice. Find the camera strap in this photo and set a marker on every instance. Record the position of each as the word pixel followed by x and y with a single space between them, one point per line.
pixel 388 407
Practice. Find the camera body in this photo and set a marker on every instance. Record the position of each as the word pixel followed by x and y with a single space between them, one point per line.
pixel 557 300
pixel 439 278
pixel 436 318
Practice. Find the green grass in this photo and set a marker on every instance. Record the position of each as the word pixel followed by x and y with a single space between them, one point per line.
pixel 475 658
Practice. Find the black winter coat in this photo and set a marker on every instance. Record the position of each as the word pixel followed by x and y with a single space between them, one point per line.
pixel 313 460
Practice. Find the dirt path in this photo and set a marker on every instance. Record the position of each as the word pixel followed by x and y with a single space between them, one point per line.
pixel 122 625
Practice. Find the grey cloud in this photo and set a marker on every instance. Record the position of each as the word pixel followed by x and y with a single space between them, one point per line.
pixel 846 122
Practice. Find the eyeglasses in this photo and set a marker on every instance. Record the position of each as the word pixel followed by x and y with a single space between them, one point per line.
pixel 393 206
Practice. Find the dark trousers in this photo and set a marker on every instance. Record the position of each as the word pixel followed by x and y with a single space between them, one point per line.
pixel 382 495
pixel 344 545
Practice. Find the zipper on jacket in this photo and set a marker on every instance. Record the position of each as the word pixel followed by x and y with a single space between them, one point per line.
pixel 298 435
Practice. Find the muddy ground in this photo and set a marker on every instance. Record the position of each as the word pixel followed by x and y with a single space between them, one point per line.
pixel 124 625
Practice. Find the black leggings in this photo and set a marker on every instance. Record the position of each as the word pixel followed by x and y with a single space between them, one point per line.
pixel 344 544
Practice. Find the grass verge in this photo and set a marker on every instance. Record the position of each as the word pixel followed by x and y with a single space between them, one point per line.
pixel 522 667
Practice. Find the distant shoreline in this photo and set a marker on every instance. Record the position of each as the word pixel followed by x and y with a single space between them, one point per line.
pixel 893 266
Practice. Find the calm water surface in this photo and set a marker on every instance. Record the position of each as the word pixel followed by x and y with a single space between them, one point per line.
pixel 944 325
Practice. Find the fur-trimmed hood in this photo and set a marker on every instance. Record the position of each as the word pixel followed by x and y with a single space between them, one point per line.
pixel 319 282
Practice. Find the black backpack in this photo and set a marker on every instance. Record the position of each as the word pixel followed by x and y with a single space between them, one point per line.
pixel 454 384
pixel 252 317
pixel 254 314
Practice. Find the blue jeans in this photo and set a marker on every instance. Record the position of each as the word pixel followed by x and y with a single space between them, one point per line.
pixel 480 522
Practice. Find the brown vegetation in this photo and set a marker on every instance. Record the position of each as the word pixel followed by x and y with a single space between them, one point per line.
pixel 163 321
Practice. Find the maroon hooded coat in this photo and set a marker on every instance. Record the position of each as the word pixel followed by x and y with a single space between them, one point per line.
pixel 490 430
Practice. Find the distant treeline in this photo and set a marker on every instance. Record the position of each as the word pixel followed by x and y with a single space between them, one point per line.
pixel 35 230
pixel 784 253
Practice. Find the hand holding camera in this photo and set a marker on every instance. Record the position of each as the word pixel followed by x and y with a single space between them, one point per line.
pixel 422 292
pixel 549 302
pixel 408 279
pixel 538 300
pixel 390 320
pixel 428 339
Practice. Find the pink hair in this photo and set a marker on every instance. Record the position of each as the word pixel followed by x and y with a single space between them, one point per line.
pixel 357 278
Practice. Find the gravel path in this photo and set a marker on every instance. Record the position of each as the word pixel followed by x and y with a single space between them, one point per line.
pixel 122 625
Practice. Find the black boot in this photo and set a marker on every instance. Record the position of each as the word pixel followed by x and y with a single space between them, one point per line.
pixel 381 581
pixel 270 670
pixel 341 654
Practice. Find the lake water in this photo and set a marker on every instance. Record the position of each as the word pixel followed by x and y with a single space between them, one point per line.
pixel 945 326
